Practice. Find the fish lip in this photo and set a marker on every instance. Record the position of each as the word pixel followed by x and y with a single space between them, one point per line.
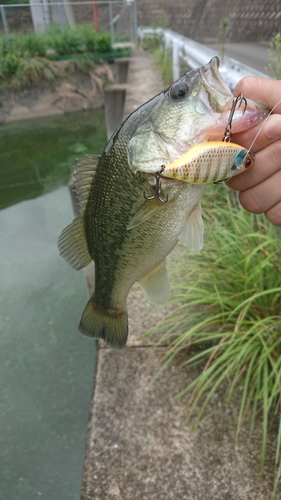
pixel 253 115
pixel 219 94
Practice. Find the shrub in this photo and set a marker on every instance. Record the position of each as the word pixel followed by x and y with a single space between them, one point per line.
pixel 9 65
pixel 64 41
pixel 274 55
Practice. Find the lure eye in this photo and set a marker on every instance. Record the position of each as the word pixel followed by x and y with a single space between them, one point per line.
pixel 179 91
pixel 250 160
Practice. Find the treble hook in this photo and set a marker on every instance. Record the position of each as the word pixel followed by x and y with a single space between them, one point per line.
pixel 228 129
pixel 157 187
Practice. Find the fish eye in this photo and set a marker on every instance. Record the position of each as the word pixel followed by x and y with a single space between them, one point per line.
pixel 179 90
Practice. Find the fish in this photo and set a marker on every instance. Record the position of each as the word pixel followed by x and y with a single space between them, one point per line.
pixel 210 162
pixel 124 226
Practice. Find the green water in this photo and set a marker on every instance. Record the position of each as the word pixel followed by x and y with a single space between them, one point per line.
pixel 46 366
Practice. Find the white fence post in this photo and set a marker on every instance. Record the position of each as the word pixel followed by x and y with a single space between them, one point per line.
pixel 4 20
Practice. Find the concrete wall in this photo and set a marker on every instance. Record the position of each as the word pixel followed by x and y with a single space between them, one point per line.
pixel 249 21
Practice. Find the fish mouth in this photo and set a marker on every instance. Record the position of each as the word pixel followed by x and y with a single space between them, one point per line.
pixel 216 90
pixel 219 98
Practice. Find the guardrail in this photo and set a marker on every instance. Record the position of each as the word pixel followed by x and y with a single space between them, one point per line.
pixel 195 54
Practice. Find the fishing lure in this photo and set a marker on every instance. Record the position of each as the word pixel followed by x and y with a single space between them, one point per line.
pixel 210 162
pixel 215 161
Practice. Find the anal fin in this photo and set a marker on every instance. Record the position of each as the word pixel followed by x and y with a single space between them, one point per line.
pixel 156 284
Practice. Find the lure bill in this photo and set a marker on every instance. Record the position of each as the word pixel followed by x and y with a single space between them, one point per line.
pixel 210 162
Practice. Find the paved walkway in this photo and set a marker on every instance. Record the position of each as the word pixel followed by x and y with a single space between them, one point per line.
pixel 140 445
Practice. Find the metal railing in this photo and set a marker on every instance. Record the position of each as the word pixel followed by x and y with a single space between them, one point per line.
pixel 117 16
pixel 195 54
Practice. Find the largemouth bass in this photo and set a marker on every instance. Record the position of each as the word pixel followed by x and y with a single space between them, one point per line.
pixel 127 236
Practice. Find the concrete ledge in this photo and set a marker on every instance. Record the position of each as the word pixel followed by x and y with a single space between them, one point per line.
pixel 141 447
pixel 114 100
pixel 121 69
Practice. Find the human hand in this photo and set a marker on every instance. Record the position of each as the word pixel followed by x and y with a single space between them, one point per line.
pixel 260 186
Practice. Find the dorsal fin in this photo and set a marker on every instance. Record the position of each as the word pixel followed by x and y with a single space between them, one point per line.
pixel 83 174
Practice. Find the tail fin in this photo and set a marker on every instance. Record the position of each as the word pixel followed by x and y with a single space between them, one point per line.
pixel 111 327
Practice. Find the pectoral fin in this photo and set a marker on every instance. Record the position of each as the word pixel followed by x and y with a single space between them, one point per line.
pixel 156 284
pixel 192 235
pixel 146 210
pixel 73 246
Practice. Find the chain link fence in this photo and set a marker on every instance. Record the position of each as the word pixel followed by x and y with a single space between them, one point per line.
pixel 202 20
pixel 118 17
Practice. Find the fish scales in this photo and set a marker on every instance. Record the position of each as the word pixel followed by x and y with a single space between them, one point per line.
pixel 118 191
pixel 126 235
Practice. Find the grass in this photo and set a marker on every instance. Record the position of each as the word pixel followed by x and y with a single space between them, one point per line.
pixel 25 72
pixel 274 54
pixel 227 304
pixel 163 58
pixel 223 32
pixel 27 59
pixel 82 38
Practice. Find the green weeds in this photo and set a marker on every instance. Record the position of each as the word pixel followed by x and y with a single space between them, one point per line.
pixel 274 54
pixel 27 59
pixel 223 32
pixel 163 58
pixel 68 40
pixel 227 305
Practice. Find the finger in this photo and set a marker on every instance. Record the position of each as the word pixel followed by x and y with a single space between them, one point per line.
pixel 262 197
pixel 274 214
pixel 263 90
pixel 262 135
pixel 267 163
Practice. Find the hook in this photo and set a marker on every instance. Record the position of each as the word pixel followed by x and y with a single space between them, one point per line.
pixel 228 132
pixel 157 187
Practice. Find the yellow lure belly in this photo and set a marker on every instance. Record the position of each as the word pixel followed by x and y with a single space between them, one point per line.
pixel 210 162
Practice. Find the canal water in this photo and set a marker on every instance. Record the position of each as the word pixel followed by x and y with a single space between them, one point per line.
pixel 46 366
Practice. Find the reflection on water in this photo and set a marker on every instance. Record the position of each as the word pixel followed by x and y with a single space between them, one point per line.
pixel 46 367
pixel 38 155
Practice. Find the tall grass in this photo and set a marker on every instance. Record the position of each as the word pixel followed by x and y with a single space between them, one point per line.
pixel 274 55
pixel 82 38
pixel 227 304
pixel 164 64
pixel 27 59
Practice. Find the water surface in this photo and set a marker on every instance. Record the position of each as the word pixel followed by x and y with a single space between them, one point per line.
pixel 46 366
